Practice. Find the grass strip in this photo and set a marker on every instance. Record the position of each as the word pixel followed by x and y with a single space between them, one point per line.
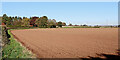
pixel 14 49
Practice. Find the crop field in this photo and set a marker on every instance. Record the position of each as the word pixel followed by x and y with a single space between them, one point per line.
pixel 69 42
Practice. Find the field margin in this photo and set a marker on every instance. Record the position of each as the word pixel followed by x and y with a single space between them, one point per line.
pixel 15 49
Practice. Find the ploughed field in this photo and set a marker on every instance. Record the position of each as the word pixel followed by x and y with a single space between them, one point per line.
pixel 69 42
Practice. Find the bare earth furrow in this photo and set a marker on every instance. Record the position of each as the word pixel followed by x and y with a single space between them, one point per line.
pixel 69 42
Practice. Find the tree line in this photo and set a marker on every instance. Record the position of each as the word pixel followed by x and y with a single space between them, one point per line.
pixel 41 22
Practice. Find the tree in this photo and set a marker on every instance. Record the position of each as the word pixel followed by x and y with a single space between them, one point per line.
pixel 76 25
pixel 15 21
pixel 97 26
pixel 84 25
pixel 26 22
pixel 70 24
pixel 59 24
pixel 52 23
pixel 42 22
pixel 19 18
pixel 24 17
pixel 4 18
pixel 9 22
pixel 118 25
pixel 32 21
pixel 0 20
pixel 63 24
pixel 38 22
pixel 30 17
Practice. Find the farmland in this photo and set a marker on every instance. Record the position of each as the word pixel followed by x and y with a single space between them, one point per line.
pixel 68 42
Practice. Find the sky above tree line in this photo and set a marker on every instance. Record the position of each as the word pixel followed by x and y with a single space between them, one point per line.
pixel 91 13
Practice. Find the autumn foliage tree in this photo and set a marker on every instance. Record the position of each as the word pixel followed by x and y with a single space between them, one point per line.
pixel 25 22
pixel 41 22
pixel 32 21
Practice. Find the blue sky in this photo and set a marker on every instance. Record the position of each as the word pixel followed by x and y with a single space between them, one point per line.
pixel 70 12
pixel 59 0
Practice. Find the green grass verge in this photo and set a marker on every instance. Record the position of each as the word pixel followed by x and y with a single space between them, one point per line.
pixel 15 50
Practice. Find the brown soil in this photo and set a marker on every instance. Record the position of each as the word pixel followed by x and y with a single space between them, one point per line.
pixel 69 42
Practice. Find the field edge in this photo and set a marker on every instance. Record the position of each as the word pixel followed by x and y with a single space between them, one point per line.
pixel 15 49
